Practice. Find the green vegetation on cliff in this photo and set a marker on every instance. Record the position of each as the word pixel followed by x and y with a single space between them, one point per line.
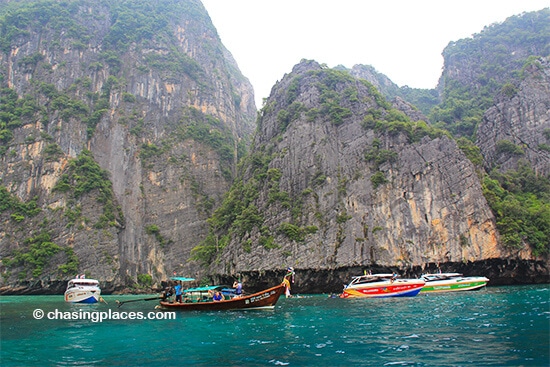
pixel 12 112
pixel 477 69
pixel 147 82
pixel 208 130
pixel 257 191
pixel 237 215
pixel 85 175
pixel 36 255
pixel 494 60
pixel 19 210
pixel 521 203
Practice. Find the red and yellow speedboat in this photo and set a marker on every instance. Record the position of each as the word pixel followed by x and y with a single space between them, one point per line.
pixel 382 285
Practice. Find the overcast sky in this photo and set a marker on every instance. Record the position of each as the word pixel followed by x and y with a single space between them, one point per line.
pixel 402 39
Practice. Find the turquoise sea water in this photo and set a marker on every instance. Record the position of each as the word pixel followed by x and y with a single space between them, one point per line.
pixel 497 326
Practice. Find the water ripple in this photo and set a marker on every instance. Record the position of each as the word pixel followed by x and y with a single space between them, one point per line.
pixel 500 326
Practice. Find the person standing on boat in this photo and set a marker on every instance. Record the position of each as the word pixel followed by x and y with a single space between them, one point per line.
pixel 238 288
pixel 178 291
pixel 286 281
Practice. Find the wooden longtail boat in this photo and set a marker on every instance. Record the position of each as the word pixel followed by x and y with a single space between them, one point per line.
pixel 260 300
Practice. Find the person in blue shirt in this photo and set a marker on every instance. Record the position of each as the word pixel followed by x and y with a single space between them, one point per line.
pixel 217 296
pixel 178 292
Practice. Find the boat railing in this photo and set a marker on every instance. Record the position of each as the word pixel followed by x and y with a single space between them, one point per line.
pixel 441 276
pixel 371 278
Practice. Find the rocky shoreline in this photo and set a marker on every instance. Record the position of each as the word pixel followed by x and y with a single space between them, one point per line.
pixel 499 271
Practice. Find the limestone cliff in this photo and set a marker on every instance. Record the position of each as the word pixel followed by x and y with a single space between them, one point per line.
pixel 491 57
pixel 338 178
pixel 479 67
pixel 123 125
pixel 517 127
pixel 411 101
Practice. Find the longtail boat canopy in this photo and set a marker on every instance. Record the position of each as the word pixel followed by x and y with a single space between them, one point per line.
pixel 183 279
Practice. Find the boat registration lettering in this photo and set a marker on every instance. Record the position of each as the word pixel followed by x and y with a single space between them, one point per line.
pixel 261 297
pixel 403 287
pixel 395 288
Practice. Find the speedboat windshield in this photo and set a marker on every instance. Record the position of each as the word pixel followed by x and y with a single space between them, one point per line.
pixel 82 283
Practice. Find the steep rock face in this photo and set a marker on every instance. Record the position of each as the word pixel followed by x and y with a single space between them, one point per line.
pixel 478 68
pixel 499 271
pixel 388 89
pixel 491 57
pixel 517 127
pixel 380 81
pixel 408 109
pixel 346 180
pixel 175 114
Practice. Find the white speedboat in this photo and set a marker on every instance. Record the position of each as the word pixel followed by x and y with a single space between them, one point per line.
pixel 382 285
pixel 451 282
pixel 82 290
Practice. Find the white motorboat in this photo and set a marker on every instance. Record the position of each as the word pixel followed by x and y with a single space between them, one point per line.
pixel 382 285
pixel 82 290
pixel 451 282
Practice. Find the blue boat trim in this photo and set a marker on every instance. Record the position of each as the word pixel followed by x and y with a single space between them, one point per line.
pixel 89 300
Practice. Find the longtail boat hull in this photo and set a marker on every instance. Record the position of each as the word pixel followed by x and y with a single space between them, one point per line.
pixel 264 299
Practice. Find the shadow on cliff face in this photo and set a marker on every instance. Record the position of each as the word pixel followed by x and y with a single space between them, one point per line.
pixel 499 271
pixel 315 281
pixel 53 287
